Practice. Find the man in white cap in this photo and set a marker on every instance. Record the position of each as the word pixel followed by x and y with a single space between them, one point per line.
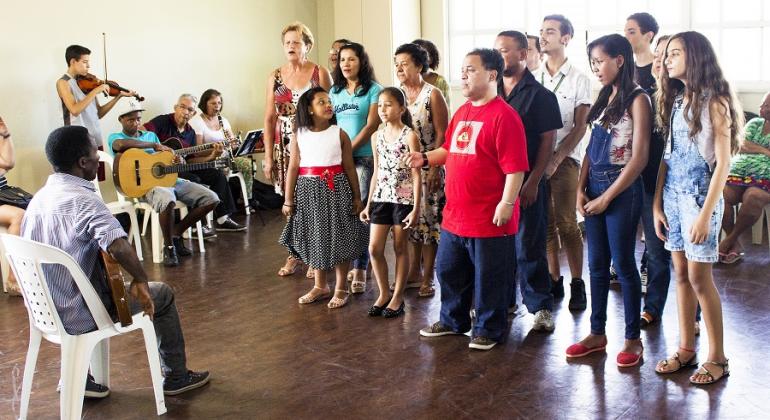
pixel 199 199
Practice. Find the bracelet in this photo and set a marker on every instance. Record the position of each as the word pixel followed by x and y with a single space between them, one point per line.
pixel 425 163
pixel 288 205
pixel 506 202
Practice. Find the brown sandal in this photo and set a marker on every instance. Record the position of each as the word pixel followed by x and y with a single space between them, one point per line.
pixel 291 267
pixel 702 371
pixel 336 302
pixel 309 298
pixel 662 366
pixel 426 290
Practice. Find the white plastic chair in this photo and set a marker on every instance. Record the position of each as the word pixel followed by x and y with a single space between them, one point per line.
pixel 157 234
pixel 26 258
pixel 756 230
pixel 121 206
pixel 243 189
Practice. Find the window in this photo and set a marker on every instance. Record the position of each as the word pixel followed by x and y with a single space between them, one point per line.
pixel 738 29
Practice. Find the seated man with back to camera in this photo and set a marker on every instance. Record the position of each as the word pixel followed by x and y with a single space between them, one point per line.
pixel 67 214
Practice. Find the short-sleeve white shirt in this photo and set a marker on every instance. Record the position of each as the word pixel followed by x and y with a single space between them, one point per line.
pixel 572 88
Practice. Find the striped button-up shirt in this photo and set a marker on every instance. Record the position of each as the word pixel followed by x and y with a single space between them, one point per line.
pixel 68 214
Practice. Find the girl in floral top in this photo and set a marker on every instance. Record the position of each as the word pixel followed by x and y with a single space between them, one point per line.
pixel 394 198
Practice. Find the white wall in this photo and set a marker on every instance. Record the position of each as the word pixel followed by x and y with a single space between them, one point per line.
pixel 158 48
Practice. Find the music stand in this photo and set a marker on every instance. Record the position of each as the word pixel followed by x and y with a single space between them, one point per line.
pixel 253 143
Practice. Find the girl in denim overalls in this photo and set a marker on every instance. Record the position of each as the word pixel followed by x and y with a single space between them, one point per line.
pixel 698 111
pixel 610 192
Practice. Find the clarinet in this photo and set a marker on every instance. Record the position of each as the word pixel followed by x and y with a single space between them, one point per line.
pixel 229 141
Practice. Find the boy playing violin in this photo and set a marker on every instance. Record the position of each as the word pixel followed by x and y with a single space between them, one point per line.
pixel 79 108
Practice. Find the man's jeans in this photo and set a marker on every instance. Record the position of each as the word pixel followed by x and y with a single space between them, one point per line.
pixel 531 261
pixel 478 269
pixel 167 329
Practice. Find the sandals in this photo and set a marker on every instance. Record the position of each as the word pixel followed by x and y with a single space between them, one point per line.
pixel 356 286
pixel 309 298
pixel 702 371
pixel 291 267
pixel 731 257
pixel 426 290
pixel 336 302
pixel 666 366
pixel 310 273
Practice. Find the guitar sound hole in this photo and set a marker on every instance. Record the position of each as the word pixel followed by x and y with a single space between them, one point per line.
pixel 157 171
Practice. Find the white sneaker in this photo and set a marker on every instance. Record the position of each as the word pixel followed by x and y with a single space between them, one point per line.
pixel 543 321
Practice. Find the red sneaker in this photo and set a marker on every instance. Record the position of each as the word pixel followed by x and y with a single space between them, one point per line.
pixel 579 350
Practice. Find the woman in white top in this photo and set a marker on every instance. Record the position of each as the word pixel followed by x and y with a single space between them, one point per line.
pixel 210 126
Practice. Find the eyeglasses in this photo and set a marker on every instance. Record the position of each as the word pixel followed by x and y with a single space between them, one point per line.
pixel 189 110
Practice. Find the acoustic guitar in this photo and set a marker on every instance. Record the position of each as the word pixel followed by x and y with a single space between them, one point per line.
pixel 136 172
pixel 118 289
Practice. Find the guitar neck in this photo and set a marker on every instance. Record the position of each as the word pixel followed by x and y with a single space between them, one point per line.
pixel 194 149
pixel 186 167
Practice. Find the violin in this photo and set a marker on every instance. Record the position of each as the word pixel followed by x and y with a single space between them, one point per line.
pixel 89 82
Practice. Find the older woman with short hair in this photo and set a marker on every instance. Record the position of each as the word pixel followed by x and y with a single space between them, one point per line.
pixel 430 75
pixel 429 114
pixel 284 87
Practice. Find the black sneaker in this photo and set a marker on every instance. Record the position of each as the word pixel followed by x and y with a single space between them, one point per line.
pixel 557 288
pixel 208 233
pixel 181 250
pixel 170 259
pixel 437 330
pixel 230 226
pixel 577 300
pixel 189 382
pixel 481 343
pixel 93 390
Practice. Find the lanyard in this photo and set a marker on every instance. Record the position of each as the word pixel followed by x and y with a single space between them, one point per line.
pixel 542 81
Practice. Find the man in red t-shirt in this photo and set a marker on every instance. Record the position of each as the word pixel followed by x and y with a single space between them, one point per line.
pixel 485 156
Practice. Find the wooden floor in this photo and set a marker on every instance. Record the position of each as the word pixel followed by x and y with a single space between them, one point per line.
pixel 272 358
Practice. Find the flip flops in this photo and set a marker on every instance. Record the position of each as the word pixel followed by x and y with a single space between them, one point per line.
pixel 731 257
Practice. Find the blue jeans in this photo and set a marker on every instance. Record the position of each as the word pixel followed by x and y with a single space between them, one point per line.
pixel 611 236
pixel 478 269
pixel 531 261
pixel 658 262
pixel 364 170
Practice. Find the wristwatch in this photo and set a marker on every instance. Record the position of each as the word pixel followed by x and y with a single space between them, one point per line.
pixel 6 135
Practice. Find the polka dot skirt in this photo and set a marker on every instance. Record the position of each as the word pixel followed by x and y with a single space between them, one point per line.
pixel 322 232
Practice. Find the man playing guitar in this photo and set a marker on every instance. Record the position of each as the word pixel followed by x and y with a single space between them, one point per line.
pixel 177 125
pixel 67 214
pixel 199 199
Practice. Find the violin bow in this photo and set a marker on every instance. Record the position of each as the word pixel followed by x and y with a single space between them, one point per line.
pixel 104 53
